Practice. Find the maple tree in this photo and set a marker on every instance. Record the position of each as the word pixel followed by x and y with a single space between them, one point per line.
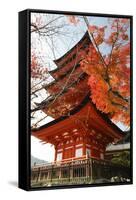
pixel 109 75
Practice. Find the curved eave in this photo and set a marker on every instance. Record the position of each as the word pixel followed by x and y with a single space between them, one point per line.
pixel 59 59
pixel 43 103
pixel 76 110
pixel 60 78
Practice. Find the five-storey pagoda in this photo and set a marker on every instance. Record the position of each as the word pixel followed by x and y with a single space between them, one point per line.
pixel 78 129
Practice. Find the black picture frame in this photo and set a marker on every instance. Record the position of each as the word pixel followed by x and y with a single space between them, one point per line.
pixel 24 175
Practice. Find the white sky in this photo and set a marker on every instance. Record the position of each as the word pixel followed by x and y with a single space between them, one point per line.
pixel 42 151
pixel 43 46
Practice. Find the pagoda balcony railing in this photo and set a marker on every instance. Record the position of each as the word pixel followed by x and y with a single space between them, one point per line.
pixel 76 171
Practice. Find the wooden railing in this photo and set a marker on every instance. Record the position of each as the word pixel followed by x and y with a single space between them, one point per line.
pixel 73 171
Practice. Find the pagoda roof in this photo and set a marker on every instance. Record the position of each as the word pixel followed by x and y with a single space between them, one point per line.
pixel 59 60
pixel 126 139
pixel 96 119
pixel 51 98
pixel 60 77
pixel 118 147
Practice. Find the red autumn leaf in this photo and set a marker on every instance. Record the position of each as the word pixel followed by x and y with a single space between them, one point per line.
pixel 109 80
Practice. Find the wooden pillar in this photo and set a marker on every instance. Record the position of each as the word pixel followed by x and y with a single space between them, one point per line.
pixel 60 173
pixel 48 176
pixel 63 151
pixel 51 173
pixel 74 149
pixel 39 175
pixel 71 171
pixel 91 166
pixel 84 147
pixel 87 169
pixel 55 158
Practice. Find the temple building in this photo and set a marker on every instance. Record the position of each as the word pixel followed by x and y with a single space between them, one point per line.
pixel 120 147
pixel 79 132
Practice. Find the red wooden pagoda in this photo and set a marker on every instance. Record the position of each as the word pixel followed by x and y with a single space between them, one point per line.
pixel 79 130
